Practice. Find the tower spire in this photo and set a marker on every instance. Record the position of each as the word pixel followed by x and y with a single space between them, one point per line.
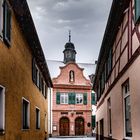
pixel 69 51
pixel 69 35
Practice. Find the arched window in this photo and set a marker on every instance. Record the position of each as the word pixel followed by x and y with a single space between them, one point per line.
pixel 71 76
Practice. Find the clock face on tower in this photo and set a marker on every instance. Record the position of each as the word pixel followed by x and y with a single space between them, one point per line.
pixel 68 54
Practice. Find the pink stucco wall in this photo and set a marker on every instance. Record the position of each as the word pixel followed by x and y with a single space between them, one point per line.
pixel 80 85
pixel 124 49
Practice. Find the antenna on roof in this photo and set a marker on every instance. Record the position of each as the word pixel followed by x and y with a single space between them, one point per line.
pixel 69 35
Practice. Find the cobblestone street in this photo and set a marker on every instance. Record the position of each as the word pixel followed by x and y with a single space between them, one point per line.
pixel 73 138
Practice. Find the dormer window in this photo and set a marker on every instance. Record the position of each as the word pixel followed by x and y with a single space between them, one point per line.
pixel 71 76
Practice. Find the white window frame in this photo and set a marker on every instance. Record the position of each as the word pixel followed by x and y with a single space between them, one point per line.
pixel 28 117
pixel 2 108
pixel 66 98
pixel 38 125
pixel 1 18
pixel 125 96
pixel 79 95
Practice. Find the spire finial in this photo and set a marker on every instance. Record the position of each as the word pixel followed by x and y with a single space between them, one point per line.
pixel 69 35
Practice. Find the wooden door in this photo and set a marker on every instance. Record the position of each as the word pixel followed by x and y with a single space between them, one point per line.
pixel 79 126
pixel 64 127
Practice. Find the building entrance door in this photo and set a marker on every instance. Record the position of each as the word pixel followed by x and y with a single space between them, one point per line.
pixel 101 129
pixel 64 126
pixel 79 126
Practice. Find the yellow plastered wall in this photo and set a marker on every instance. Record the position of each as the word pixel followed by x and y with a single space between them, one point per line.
pixel 16 77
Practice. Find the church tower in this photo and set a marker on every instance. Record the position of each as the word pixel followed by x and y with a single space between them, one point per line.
pixel 69 52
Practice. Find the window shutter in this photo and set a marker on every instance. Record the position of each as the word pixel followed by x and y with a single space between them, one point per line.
pixel 7 23
pixel 137 10
pixel 40 82
pixel 93 102
pixel 46 91
pixel 85 98
pixel 1 18
pixel 93 121
pixel 58 98
pixel 70 98
pixel 33 71
pixel 73 98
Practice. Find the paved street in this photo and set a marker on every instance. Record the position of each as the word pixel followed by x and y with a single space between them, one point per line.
pixel 73 138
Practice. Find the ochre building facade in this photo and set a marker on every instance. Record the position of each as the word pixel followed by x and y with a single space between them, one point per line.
pixel 24 76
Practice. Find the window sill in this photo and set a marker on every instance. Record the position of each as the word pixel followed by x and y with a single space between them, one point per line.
pixel 79 104
pixel 25 129
pixel 127 138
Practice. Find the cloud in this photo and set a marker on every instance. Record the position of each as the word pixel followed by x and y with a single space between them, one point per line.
pixel 86 19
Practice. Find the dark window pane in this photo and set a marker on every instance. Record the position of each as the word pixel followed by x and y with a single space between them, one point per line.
pixel 37 118
pixel 128 117
pixel 7 23
pixel 25 114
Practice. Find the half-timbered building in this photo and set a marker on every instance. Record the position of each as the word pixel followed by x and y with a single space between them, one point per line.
pixel 117 75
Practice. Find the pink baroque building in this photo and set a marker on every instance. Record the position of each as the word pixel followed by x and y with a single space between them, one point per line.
pixel 117 75
pixel 71 111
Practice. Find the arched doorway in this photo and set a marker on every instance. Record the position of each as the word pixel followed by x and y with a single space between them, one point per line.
pixel 64 126
pixel 79 126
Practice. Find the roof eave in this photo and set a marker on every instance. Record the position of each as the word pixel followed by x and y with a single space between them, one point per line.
pixel 23 16
pixel 112 27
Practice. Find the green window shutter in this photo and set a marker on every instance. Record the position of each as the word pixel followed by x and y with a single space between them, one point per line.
pixel 40 82
pixel 71 98
pixel 93 121
pixel 33 71
pixel 137 10
pixel 58 98
pixel 85 98
pixel 93 102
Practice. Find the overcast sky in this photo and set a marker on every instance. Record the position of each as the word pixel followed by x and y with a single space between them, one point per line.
pixel 85 18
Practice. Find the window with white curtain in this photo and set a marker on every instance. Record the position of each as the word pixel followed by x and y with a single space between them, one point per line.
pixel 79 98
pixel 64 98
pixel 127 109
